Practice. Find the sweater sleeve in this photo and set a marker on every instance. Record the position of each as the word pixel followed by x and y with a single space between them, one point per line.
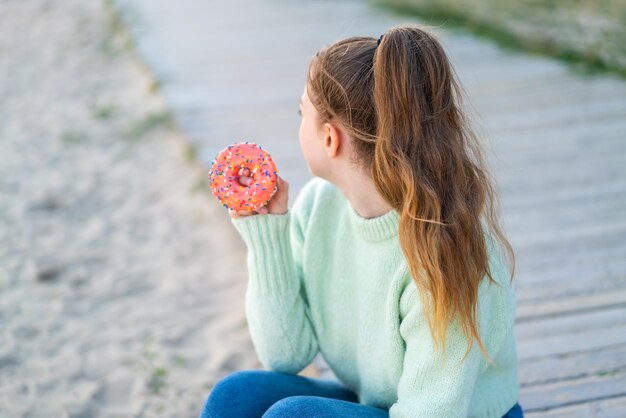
pixel 431 385
pixel 276 310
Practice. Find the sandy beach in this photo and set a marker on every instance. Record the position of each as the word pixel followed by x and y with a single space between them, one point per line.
pixel 121 279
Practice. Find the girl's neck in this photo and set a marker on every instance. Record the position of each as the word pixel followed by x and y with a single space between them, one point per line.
pixel 361 192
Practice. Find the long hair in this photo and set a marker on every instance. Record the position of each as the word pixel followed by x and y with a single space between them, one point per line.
pixel 400 103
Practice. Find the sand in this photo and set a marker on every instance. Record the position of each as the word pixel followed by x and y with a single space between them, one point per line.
pixel 122 281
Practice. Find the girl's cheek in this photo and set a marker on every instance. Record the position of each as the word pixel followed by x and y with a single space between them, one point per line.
pixel 301 136
pixel 302 132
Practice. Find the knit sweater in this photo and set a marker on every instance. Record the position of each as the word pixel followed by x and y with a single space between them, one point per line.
pixel 324 279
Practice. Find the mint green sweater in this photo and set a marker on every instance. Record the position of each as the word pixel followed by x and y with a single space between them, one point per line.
pixel 322 278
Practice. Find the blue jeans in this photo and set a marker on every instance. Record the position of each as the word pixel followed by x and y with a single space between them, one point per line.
pixel 269 394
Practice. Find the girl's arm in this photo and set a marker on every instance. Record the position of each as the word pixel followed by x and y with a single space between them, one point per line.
pixel 434 386
pixel 277 313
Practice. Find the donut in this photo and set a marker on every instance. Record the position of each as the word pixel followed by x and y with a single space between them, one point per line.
pixel 224 176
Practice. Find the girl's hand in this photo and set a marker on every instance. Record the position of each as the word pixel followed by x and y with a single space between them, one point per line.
pixel 277 205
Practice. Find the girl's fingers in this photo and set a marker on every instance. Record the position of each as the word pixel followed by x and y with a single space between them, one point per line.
pixel 244 180
pixel 238 213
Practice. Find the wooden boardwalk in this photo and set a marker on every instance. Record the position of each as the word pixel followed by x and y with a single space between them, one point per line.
pixel 556 143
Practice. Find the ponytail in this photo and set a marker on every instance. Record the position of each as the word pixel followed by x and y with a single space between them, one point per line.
pixel 402 112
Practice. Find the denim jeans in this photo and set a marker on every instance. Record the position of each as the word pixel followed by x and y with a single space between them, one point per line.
pixel 269 394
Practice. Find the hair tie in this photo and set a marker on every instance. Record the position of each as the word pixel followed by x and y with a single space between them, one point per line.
pixel 379 39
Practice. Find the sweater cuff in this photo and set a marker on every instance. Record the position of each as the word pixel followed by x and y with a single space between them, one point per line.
pixel 259 231
pixel 269 249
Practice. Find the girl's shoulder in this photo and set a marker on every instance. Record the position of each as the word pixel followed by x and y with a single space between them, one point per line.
pixel 314 191
pixel 316 204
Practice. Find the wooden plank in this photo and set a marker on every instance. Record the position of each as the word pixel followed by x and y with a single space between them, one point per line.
pixel 520 121
pixel 567 147
pixel 546 161
pixel 599 207
pixel 561 394
pixel 501 146
pixel 607 260
pixel 562 344
pixel 602 408
pixel 525 201
pixel 553 224
pixel 569 284
pixel 567 179
pixel 547 96
pixel 612 270
pixel 568 279
pixel 575 322
pixel 583 303
pixel 582 238
pixel 533 132
pixel 577 172
pixel 576 111
pixel 544 370
pixel 604 210
pixel 491 88
pixel 509 68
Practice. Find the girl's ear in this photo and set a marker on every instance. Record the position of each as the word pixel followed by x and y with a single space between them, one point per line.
pixel 333 138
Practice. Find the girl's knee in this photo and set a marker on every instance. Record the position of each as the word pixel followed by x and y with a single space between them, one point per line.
pixel 239 377
pixel 229 392
pixel 294 406
pixel 235 383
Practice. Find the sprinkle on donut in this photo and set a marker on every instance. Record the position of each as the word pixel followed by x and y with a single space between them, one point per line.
pixel 224 176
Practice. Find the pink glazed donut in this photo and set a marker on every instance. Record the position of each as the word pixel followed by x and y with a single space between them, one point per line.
pixel 224 176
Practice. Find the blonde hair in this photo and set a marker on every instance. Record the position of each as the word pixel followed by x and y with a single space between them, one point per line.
pixel 399 103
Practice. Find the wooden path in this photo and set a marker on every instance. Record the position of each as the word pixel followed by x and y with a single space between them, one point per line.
pixel 556 141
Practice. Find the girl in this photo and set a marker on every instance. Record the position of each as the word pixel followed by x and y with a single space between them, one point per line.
pixel 387 263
